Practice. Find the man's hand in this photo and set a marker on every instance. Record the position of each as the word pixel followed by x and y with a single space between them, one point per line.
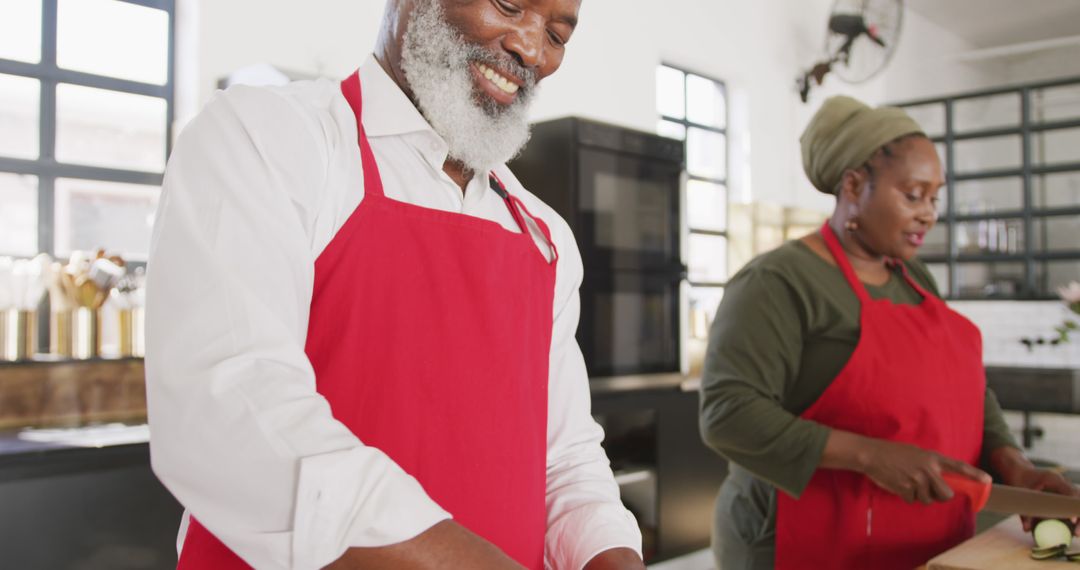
pixel 1018 471
pixel 447 544
pixel 616 559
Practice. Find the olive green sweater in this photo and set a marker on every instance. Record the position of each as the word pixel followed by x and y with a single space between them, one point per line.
pixel 788 323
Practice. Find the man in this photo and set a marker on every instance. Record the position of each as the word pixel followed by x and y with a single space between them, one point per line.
pixel 361 327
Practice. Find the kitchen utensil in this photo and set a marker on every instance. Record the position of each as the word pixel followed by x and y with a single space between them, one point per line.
pixel 1013 500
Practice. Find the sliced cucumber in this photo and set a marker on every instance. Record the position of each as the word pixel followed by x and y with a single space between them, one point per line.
pixel 1052 532
pixel 1047 553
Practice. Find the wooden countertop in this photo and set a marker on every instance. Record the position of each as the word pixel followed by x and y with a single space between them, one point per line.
pixel 1004 546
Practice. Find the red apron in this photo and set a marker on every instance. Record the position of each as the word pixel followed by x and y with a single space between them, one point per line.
pixel 430 334
pixel 917 377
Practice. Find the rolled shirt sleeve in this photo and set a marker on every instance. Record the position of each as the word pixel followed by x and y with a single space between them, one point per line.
pixel 585 513
pixel 239 434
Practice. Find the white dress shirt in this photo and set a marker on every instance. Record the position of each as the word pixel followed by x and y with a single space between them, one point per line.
pixel 259 183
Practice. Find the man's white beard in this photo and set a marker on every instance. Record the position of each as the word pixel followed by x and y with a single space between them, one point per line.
pixel 481 133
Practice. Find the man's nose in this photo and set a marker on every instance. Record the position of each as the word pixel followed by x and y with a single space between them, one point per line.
pixel 526 41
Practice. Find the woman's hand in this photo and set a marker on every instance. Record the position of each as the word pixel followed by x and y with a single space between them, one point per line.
pixel 911 472
pixel 914 473
pixel 1016 470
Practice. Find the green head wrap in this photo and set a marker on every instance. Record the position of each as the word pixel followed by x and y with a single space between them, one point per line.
pixel 844 134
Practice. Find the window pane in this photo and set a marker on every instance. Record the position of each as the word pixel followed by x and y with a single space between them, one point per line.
pixel 990 280
pixel 931 117
pixel 671 130
pixel 990 236
pixel 708 258
pixel 1051 275
pixel 670 92
pixel 940 272
pixel 989 195
pixel 1056 103
pixel 943 154
pixel 934 244
pixel 92 214
pixel 987 154
pixel 986 112
pixel 706 153
pixel 703 304
pixel 1057 190
pixel 18 216
pixel 19 103
pixel 1056 233
pixel 20 30
pixel 1055 147
pixel 107 128
pixel 706 206
pixel 705 102
pixel 112 38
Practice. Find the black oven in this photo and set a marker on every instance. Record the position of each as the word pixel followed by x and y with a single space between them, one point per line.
pixel 620 191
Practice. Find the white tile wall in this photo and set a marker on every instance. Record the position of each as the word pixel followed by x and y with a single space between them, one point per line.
pixel 1004 323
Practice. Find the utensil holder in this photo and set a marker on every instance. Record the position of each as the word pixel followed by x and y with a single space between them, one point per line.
pixel 132 332
pixel 18 334
pixel 76 333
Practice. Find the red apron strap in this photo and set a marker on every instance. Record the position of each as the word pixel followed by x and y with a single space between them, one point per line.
pixel 841 258
pixel 907 277
pixel 520 212
pixel 350 88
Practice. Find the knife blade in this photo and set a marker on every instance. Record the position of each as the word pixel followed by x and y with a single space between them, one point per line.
pixel 1012 500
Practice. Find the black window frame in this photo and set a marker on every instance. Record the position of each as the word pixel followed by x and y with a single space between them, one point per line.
pixel 1029 214
pixel 45 167
pixel 687 124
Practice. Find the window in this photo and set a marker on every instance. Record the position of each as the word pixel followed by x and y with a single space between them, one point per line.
pixel 693 108
pixel 86 107
pixel 1010 218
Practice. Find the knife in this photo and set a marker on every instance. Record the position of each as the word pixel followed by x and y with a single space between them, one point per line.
pixel 1012 500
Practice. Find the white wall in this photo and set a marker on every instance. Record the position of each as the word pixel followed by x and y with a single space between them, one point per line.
pixel 758 48
pixel 315 37
pixel 1004 324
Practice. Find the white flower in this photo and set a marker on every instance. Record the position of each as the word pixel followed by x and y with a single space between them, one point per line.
pixel 1070 293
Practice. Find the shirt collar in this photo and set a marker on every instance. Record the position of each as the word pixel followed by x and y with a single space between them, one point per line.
pixel 387 110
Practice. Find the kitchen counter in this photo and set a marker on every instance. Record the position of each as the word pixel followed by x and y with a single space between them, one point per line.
pixel 1006 545
pixel 1035 390
pixel 84 498
pixel 1048 390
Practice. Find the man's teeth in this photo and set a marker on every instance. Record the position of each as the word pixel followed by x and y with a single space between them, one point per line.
pixel 498 80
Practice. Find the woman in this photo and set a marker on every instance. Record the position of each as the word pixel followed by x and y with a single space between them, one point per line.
pixel 836 375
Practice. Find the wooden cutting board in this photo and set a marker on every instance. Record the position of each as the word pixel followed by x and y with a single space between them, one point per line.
pixel 1005 546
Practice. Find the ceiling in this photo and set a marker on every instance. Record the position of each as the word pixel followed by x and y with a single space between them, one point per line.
pixel 993 23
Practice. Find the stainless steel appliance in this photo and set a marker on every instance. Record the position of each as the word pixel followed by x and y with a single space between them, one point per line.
pixel 620 191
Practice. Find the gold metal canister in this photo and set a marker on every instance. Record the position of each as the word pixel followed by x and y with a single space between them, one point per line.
pixel 132 332
pixel 60 333
pixel 18 334
pixel 85 333
pixel 76 333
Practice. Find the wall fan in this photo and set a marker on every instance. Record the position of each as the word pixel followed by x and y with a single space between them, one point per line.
pixel 860 41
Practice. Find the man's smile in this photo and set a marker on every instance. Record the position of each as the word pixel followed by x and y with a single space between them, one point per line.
pixel 500 87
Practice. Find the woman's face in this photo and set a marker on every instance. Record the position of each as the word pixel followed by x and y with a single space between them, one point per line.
pixel 896 205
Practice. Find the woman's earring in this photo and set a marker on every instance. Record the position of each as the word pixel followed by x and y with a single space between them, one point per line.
pixel 851 225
